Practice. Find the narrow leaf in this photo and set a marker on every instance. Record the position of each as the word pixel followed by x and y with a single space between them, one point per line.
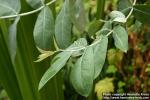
pixel 144 11
pixel 9 7
pixel 115 14
pixel 77 12
pixel 12 39
pixel 57 63
pixel 82 74
pixel 44 29
pixel 120 36
pixel 44 55
pixel 123 4
pixel 100 55
pixel 63 27
pixel 8 77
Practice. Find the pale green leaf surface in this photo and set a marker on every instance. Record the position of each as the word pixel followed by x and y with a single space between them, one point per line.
pixel 124 6
pixel 120 36
pixel 117 16
pixel 77 47
pixel 82 74
pixel 57 63
pixel 77 12
pixel 44 29
pixel 34 3
pixel 63 27
pixel 120 19
pixel 100 55
pixel 7 73
pixel 105 29
pixel 80 43
pixel 9 7
pixel 12 39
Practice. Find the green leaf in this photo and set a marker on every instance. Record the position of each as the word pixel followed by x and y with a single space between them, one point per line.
pixel 8 77
pixel 93 27
pixel 117 16
pixel 144 11
pixel 3 94
pixel 12 39
pixel 111 69
pixel 78 14
pixel 120 36
pixel 21 80
pixel 121 84
pixel 44 29
pixel 9 7
pixel 77 47
pixel 114 56
pixel 124 6
pixel 57 63
pixel 80 43
pixel 82 74
pixel 35 3
pixel 63 27
pixel 100 50
pixel 105 29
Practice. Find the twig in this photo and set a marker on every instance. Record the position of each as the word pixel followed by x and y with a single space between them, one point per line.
pixel 131 10
pixel 27 13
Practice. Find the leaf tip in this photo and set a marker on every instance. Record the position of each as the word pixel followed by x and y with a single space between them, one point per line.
pixel 40 86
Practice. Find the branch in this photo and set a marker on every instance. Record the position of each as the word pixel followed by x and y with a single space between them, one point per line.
pixel 27 13
pixel 131 10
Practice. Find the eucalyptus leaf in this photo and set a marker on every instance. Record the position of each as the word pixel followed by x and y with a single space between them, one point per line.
pixel 12 39
pixel 120 36
pixel 63 27
pixel 144 11
pixel 100 51
pixel 77 12
pixel 44 29
pixel 35 3
pixel 9 7
pixel 57 64
pixel 82 74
